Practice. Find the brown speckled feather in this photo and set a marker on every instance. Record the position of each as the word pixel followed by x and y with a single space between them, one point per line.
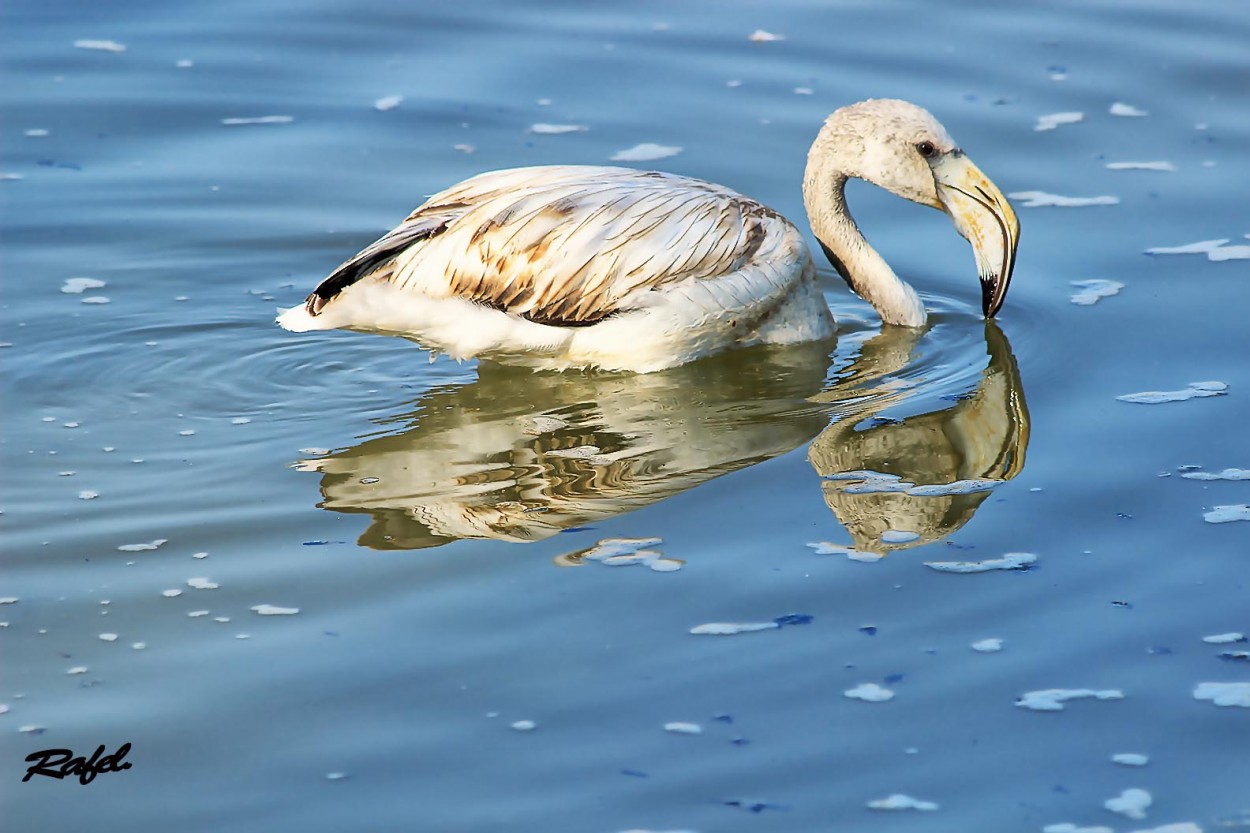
pixel 563 245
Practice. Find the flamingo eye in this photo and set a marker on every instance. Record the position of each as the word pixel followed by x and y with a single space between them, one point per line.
pixel 926 148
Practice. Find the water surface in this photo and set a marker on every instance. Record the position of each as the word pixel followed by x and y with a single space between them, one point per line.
pixel 435 525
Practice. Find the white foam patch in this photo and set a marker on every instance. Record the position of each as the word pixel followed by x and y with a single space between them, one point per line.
pixel 589 453
pixel 1126 110
pixel 899 536
pixel 1052 699
pixel 1010 561
pixel 1092 291
pixel 108 637
pixel 899 801
pixel 545 129
pixel 1159 165
pixel 1178 827
pixel 1196 390
pixel 77 286
pixel 100 45
pixel 1130 759
pixel 1053 120
pixel 959 487
pixel 869 693
pixel 619 546
pixel 646 152
pixel 1229 253
pixel 680 728
pixel 1228 514
pixel 1043 199
pixel 1201 247
pixel 1067 827
pixel 988 646
pixel 274 610
pixel 875 482
pixel 388 102
pixel 537 425
pixel 1226 474
pixel 524 725
pixel 1132 803
pixel 258 120
pixel 732 628
pixel 201 583
pixel 870 482
pixel 651 558
pixel 623 552
pixel 150 545
pixel 1225 638
pixel 828 548
pixel 1224 694
pixel 761 36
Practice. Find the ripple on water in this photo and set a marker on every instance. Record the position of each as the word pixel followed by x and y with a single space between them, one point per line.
pixel 239 368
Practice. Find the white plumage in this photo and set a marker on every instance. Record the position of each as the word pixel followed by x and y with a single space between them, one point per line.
pixel 579 266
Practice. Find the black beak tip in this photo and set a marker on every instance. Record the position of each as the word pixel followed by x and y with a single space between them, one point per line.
pixel 990 300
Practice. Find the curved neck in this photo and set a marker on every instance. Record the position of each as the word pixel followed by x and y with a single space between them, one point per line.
pixel 865 271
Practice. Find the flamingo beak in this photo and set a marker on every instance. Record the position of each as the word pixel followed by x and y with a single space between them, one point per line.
pixel 984 218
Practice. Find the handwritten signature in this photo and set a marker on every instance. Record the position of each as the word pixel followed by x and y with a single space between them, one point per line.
pixel 58 763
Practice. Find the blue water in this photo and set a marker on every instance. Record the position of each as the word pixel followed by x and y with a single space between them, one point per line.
pixel 442 559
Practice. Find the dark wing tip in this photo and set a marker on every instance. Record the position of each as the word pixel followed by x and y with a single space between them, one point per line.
pixel 315 303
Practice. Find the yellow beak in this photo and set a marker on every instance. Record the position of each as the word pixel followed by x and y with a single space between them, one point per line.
pixel 985 219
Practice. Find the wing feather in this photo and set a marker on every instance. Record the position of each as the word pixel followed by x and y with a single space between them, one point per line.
pixel 567 245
